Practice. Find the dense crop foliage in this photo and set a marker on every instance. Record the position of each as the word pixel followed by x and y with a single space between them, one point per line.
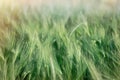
pixel 59 45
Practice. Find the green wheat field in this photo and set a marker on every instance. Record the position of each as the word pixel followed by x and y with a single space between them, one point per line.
pixel 59 44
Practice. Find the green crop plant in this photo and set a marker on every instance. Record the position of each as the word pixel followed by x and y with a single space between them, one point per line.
pixel 59 45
